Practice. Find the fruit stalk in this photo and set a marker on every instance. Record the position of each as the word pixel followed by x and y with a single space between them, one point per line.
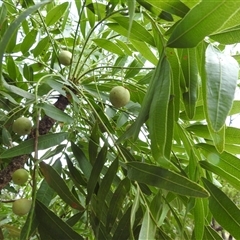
pixel 45 124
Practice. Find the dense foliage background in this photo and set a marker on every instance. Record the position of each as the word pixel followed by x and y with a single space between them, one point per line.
pixel 165 166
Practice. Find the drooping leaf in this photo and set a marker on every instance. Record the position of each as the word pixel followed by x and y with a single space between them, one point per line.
pixel 117 201
pixel 55 181
pixel 28 146
pixel 223 209
pixel 189 66
pixel 221 81
pixel 55 113
pixel 165 179
pixel 83 163
pixel 159 111
pixel 95 173
pixel 53 225
pixel 224 164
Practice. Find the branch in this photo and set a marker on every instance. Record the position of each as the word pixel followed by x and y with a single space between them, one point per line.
pixel 45 124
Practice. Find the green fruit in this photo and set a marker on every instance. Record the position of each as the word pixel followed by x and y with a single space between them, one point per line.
pixel 21 206
pixel 22 126
pixel 119 96
pixel 65 57
pixel 20 176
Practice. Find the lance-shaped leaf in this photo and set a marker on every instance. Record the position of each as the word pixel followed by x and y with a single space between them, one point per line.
pixel 144 113
pixel 174 7
pixel 165 179
pixel 224 164
pixel 55 181
pixel 189 66
pixel 221 81
pixel 159 111
pixel 226 213
pixel 55 113
pixel 54 226
pixel 95 173
pixel 26 147
pixel 202 20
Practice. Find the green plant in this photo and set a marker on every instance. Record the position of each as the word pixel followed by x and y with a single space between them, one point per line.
pixel 92 175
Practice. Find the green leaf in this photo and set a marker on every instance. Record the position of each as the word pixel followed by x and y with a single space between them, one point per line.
pixel 225 165
pixel 223 209
pixel 234 181
pixel 95 173
pixel 146 52
pixel 13 27
pixel 28 41
pixel 210 234
pixel 45 193
pixel 116 202
pixel 221 81
pixel 3 13
pixel 147 227
pixel 56 13
pixel 159 111
pixel 28 146
pixel 174 7
pixel 55 181
pixel 53 225
pixel 137 32
pixel 165 179
pixel 189 66
pixel 144 113
pixel 18 91
pixel 199 219
pixel 202 20
pixel 109 46
pixel 55 113
pixel 227 36
pixel 83 163
pixel 105 185
pixel 232 134
pixel 123 227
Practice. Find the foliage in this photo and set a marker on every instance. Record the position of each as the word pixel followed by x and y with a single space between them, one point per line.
pixel 156 168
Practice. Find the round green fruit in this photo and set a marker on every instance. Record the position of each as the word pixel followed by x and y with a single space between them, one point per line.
pixel 22 126
pixel 20 176
pixel 65 57
pixel 21 206
pixel 119 96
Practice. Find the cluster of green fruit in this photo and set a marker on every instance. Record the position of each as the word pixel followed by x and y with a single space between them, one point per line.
pixel 21 206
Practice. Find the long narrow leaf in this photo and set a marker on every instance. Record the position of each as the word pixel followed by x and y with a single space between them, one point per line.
pixel 223 209
pixel 53 225
pixel 55 181
pixel 165 179
pixel 203 19
pixel 26 147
